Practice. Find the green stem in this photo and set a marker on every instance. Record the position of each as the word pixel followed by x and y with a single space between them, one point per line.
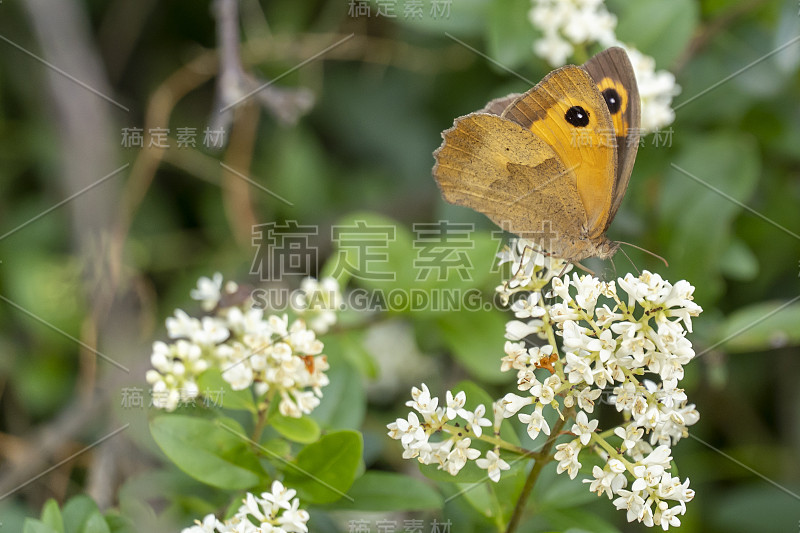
pixel 262 418
pixel 496 441
pixel 533 476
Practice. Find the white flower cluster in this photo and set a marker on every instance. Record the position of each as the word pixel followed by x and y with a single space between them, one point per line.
pixel 657 88
pixel 273 512
pixel 453 452
pixel 249 346
pixel 612 335
pixel 317 302
pixel 565 24
pixel 608 346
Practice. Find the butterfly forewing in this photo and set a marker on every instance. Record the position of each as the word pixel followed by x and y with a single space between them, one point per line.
pixel 567 112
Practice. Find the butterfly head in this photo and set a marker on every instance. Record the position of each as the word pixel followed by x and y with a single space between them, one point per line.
pixel 605 248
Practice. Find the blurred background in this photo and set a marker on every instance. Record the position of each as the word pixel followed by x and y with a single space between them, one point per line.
pixel 109 214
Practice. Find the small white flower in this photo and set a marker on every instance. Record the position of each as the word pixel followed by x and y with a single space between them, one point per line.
pixel 422 401
pixel 493 464
pixel 475 419
pixel 528 307
pixel 208 291
pixel 583 428
pixel 630 435
pixel 517 330
pixel 460 454
pixel 293 519
pixel 567 457
pixel 656 90
pixel 565 23
pixel 511 403
pixel 210 524
pixel 586 398
pixel 239 375
pixel 606 481
pixel 455 403
pixel 632 502
pixel 536 422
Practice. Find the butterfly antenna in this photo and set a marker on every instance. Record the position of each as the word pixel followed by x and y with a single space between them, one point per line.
pixel 646 251
pixel 631 260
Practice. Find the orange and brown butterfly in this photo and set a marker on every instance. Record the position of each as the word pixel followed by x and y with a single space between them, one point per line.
pixel 552 164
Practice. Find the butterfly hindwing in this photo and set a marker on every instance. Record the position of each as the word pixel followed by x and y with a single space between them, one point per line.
pixel 614 77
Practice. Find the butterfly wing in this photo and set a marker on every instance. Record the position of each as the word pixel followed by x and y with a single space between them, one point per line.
pixel 500 169
pixel 567 112
pixel 498 105
pixel 613 74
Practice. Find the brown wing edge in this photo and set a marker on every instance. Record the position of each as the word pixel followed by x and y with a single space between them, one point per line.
pixel 614 63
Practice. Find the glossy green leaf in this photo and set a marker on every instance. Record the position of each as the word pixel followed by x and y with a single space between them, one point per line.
pixel 36 526
pixel 388 491
pixel 343 405
pixel 705 189
pixel 576 519
pixel 324 471
pixel 51 515
pixel 475 339
pixel 761 326
pixel 219 392
pixel 76 512
pixel 214 452
pixel 303 429
pixel 96 524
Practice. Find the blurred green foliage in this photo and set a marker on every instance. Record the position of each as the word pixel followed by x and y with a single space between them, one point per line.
pixel 720 203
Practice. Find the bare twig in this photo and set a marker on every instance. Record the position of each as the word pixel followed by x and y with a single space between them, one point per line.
pixel 286 104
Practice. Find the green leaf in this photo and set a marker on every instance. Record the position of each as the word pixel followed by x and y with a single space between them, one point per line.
pixel 349 345
pixel 379 253
pixel 35 526
pixel 51 515
pixel 324 471
pixel 388 491
pixel 476 340
pixel 303 429
pixel 509 33
pixel 494 500
pixel 659 29
pixel 344 402
pixel 574 519
pixel 96 524
pixel 120 524
pixel 214 452
pixel 712 177
pixel 76 513
pixel 219 391
pixel 761 326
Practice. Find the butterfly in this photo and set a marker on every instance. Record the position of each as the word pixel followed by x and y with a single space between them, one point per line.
pixel 550 165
